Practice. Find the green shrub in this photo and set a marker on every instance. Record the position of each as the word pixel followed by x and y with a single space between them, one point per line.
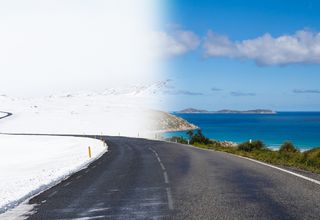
pixel 250 146
pixel 312 158
pixel 198 138
pixel 288 147
pixel 190 134
pixel 287 155
pixel 180 140
pixel 313 153
pixel 215 145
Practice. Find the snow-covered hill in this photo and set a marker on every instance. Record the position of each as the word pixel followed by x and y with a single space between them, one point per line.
pixel 152 89
pixel 125 111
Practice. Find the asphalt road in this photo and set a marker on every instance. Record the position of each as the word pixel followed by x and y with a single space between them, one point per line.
pixel 143 179
pixel 7 114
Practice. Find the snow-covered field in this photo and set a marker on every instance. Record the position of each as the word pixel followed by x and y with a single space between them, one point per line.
pixel 111 112
pixel 30 164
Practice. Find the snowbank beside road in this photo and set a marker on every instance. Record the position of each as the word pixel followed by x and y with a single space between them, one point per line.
pixel 30 164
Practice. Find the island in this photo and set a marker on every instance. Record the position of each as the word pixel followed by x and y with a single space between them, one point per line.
pixel 225 111
pixel 192 110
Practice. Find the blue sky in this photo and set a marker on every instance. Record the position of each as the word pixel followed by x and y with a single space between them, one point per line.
pixel 244 54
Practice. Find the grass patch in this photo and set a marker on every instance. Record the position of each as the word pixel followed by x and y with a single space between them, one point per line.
pixel 287 155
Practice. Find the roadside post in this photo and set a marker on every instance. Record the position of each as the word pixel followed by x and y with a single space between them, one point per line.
pixel 89 151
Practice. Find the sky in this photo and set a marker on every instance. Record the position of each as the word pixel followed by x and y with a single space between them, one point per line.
pixel 243 54
pixel 212 54
pixel 49 47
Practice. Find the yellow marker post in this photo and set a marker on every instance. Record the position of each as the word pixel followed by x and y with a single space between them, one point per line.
pixel 89 151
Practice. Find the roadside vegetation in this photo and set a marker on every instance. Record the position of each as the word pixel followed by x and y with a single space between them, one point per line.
pixel 287 155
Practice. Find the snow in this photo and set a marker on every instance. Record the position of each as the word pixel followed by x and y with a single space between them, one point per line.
pixel 111 112
pixel 30 164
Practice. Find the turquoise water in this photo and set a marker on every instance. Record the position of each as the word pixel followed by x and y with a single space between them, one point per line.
pixel 301 128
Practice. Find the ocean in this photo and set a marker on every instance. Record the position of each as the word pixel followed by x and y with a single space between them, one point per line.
pixel 301 128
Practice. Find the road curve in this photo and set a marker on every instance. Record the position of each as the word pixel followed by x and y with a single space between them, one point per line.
pixel 144 179
pixel 7 114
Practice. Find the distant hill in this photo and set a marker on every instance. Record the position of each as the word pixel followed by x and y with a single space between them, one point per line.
pixel 254 111
pixel 192 110
pixel 227 111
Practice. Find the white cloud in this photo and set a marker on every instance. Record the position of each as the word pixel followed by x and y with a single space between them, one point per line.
pixel 301 47
pixel 177 43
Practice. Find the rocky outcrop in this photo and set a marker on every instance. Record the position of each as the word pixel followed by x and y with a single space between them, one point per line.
pixel 163 121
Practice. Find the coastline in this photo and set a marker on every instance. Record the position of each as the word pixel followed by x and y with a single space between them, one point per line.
pixel 226 113
pixel 176 130
pixel 300 128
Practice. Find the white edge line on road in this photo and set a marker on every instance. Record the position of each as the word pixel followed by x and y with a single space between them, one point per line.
pixel 166 179
pixel 260 162
pixel 170 201
pixel 283 170
pixel 163 168
pixel 67 184
pixel 52 194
